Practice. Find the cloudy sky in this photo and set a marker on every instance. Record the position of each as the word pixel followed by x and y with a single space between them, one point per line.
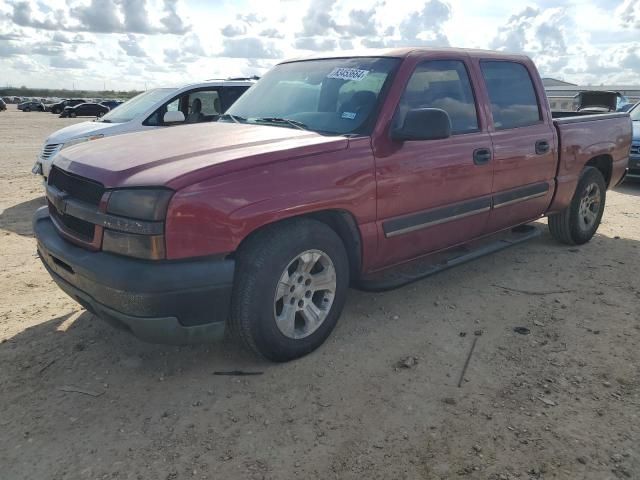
pixel 130 44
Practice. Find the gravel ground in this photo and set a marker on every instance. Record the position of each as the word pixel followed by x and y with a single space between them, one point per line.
pixel 79 400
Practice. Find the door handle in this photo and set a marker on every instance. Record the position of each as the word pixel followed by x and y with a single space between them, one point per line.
pixel 542 147
pixel 481 156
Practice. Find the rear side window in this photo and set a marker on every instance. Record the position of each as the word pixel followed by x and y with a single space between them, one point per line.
pixel 209 101
pixel 230 95
pixel 513 98
pixel 442 84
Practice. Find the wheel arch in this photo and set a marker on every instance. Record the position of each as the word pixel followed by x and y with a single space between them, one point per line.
pixel 603 163
pixel 342 222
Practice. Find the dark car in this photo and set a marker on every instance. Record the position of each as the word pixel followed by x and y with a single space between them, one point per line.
pixel 85 110
pixel 111 104
pixel 3 106
pixel 634 160
pixel 70 102
pixel 31 106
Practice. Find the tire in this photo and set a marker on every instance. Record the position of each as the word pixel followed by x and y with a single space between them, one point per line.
pixel 73 115
pixel 269 284
pixel 26 109
pixel 578 223
pixel 100 114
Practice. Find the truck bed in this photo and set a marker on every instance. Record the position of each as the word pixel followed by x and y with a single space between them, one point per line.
pixel 582 138
pixel 570 116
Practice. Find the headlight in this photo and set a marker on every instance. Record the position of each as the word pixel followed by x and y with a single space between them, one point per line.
pixel 146 208
pixel 81 140
pixel 141 204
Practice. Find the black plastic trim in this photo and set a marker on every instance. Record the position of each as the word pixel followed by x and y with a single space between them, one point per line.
pixel 436 216
pixel 520 194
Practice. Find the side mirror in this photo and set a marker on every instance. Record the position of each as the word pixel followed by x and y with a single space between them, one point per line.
pixel 423 124
pixel 175 116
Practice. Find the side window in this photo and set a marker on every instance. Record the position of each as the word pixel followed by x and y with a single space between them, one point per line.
pixel 512 95
pixel 209 102
pixel 442 84
pixel 230 95
pixel 173 106
pixel 157 118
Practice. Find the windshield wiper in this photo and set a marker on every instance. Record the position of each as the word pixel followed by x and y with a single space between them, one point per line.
pixel 278 120
pixel 235 118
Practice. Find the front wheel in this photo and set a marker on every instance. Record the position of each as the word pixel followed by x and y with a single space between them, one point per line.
pixel 290 287
pixel 578 223
pixel 72 115
pixel 100 114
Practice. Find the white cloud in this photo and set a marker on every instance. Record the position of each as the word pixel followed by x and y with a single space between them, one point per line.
pixel 131 43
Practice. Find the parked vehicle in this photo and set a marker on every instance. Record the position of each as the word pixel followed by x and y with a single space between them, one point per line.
pixel 31 106
pixel 369 171
pixel 634 161
pixel 595 101
pixel 160 107
pixel 111 104
pixel 3 106
pixel 625 107
pixel 85 110
pixel 58 107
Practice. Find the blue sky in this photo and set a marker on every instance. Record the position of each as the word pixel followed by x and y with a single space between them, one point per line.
pixel 133 44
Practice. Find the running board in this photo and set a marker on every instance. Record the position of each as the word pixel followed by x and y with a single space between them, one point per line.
pixel 415 270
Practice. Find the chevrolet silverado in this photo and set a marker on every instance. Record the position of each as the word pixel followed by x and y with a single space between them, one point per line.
pixel 371 170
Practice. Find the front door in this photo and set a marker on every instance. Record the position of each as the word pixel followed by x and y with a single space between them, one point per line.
pixel 434 194
pixel 524 146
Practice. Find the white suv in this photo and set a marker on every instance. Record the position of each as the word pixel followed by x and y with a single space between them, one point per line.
pixel 160 107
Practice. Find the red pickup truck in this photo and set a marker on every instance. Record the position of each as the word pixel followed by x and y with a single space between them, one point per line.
pixel 370 171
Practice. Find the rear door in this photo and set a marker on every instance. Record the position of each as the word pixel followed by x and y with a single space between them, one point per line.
pixel 437 193
pixel 524 144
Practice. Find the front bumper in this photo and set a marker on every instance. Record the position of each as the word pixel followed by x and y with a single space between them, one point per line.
pixel 172 302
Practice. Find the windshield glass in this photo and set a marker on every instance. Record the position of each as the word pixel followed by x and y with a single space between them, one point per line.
pixel 635 113
pixel 137 105
pixel 332 96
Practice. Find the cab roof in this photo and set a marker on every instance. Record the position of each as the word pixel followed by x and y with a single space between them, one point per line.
pixel 406 51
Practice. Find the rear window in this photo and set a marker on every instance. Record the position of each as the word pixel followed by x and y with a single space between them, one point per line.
pixel 511 93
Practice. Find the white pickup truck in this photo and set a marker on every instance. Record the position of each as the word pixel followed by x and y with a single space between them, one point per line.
pixel 159 107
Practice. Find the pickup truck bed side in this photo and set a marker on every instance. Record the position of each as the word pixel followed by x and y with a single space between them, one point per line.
pixel 606 148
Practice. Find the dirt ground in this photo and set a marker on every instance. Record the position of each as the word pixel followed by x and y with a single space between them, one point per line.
pixel 80 400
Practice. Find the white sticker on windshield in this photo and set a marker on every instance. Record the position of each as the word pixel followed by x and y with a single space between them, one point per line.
pixel 354 74
pixel 349 115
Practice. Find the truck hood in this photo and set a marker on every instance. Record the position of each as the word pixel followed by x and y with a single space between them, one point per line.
pixel 179 156
pixel 78 130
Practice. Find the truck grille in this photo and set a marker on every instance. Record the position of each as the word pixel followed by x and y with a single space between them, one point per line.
pixel 77 188
pixel 635 149
pixel 50 150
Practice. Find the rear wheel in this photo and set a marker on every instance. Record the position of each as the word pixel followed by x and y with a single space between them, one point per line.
pixel 290 287
pixel 26 109
pixel 72 115
pixel 100 114
pixel 578 223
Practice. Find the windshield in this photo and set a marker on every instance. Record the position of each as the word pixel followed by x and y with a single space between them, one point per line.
pixel 137 105
pixel 332 96
pixel 635 113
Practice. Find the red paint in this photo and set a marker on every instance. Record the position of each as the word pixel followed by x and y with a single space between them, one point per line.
pixel 230 179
